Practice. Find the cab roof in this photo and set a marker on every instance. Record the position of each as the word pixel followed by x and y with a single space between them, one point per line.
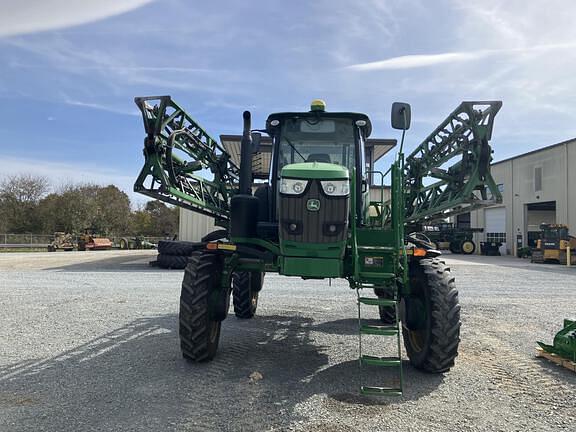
pixel 321 114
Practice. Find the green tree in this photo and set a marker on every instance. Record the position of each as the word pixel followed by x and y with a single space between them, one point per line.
pixel 19 199
pixel 155 219
pixel 105 210
pixel 112 211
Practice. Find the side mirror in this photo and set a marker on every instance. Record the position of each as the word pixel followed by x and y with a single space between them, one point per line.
pixel 256 138
pixel 400 115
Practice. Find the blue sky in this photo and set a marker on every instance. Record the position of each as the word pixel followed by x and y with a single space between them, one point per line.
pixel 69 70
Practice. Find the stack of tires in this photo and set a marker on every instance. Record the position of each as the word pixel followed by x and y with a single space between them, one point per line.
pixel 173 254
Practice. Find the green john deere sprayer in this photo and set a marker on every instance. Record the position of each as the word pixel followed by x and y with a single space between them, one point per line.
pixel 314 219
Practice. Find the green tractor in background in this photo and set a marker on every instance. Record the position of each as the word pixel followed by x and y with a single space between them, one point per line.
pixel 314 219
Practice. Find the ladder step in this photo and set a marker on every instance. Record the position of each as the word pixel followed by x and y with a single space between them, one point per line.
pixel 380 361
pixel 380 391
pixel 375 301
pixel 377 276
pixel 378 330
pixel 377 248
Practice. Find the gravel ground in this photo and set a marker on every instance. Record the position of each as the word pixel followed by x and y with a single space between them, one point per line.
pixel 88 341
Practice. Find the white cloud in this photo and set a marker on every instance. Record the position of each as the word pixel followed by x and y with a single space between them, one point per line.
pixel 424 60
pixel 416 61
pixel 32 16
pixel 102 107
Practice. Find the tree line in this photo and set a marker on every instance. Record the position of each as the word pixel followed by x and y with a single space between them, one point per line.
pixel 29 204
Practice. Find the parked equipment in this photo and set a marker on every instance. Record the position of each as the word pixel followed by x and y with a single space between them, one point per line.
pixel 174 254
pixel 553 245
pixel 62 241
pixel 313 220
pixel 88 241
pixel 446 236
pixel 136 243
pixel 491 248
pixel 564 345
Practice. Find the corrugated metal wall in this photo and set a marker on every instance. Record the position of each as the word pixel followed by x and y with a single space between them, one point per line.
pixel 193 226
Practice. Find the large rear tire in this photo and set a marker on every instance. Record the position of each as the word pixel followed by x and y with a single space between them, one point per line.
pixel 172 261
pixel 245 288
pixel 468 247
pixel 431 325
pixel 124 243
pixel 199 332
pixel 178 248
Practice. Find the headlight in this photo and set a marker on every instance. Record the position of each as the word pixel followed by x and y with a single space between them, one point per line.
pixel 336 187
pixel 293 186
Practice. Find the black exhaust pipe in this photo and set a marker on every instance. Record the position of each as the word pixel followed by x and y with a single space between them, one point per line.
pixel 244 206
pixel 246 156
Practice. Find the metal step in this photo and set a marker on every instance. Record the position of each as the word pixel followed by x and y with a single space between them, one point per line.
pixel 375 301
pixel 380 391
pixel 380 361
pixel 376 248
pixel 376 276
pixel 371 360
pixel 381 330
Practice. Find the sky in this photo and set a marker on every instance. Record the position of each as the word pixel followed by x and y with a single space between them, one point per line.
pixel 70 69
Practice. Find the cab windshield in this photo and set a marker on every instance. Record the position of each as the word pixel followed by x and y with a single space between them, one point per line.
pixel 317 140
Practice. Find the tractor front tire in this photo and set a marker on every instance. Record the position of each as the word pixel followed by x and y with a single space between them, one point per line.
pixel 455 247
pixel 431 326
pixel 199 332
pixel 245 288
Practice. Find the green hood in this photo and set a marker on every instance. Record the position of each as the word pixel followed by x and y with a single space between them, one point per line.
pixel 315 170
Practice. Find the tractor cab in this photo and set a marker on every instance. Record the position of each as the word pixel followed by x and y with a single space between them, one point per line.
pixel 318 136
pixel 304 143
pixel 317 157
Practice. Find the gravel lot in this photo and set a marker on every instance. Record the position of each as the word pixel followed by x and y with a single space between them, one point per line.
pixel 88 341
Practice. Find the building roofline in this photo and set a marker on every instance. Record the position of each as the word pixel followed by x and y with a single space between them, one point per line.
pixel 568 141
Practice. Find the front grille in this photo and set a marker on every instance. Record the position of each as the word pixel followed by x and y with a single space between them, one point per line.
pixel 297 223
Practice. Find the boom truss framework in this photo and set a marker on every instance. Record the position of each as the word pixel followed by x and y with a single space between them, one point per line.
pixel 170 131
pixel 457 186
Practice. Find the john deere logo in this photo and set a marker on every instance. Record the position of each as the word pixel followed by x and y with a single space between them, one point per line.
pixel 313 204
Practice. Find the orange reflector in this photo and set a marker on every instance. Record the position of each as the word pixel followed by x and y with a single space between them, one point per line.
pixel 420 252
pixel 212 246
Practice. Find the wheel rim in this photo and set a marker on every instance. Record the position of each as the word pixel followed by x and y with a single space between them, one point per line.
pixel 214 331
pixel 417 339
pixel 467 247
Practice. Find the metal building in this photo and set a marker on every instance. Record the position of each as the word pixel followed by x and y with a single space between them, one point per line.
pixel 537 187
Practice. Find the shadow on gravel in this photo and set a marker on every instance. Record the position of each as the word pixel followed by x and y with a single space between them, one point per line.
pixel 416 383
pixel 112 264
pixel 134 378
